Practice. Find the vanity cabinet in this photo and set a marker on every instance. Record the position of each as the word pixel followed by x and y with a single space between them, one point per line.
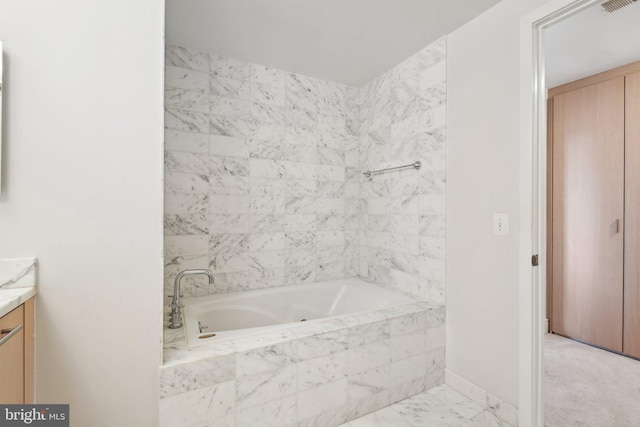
pixel 16 355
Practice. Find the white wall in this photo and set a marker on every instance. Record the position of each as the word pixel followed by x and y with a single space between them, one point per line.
pixel 82 191
pixel 482 166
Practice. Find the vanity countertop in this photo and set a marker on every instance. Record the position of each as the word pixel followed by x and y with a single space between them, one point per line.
pixel 17 282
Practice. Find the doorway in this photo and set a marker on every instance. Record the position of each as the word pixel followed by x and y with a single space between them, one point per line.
pixel 533 183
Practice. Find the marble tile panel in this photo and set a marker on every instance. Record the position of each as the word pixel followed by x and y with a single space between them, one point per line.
pixel 228 146
pixel 198 406
pixel 268 94
pixel 266 241
pixel 186 204
pixel 186 120
pixel 267 205
pixel 263 387
pixel 229 263
pixel 386 417
pixel 232 126
pixel 322 370
pixel 268 113
pixel 323 344
pixel 177 161
pixel 231 68
pixel 330 238
pixel 266 168
pixel 408 323
pixel 502 410
pixel 436 337
pixel 229 88
pixel 175 140
pixel 300 206
pixel 184 78
pixel 455 400
pixel 408 369
pixel 186 183
pixel 230 282
pixel 299 223
pixel 367 405
pixel 405 346
pixel 424 409
pixel 229 205
pixel 267 358
pixel 300 188
pixel 333 417
pixel 321 399
pixel 330 271
pixel 229 223
pixel 267 187
pixel 278 412
pixel 266 223
pixel 432 204
pixel 368 383
pixel 408 389
pixel 369 356
pixel 183 99
pixel 266 260
pixel 185 245
pixel 330 206
pixel 228 243
pixel 269 76
pixel 434 53
pixel 300 171
pixel 228 166
pixel 435 375
pixel 182 57
pixel 296 135
pixel 296 274
pixel 196 375
pixel 330 222
pixel 186 224
pixel 266 278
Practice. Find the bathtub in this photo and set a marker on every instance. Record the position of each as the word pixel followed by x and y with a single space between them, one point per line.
pixel 223 317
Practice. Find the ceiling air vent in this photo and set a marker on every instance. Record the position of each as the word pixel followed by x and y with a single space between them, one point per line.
pixel 613 5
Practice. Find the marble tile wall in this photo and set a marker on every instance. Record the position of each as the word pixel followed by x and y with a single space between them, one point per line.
pixel 402 213
pixel 317 374
pixel 255 175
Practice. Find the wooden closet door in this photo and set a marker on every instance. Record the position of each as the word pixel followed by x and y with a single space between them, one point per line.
pixel 588 204
pixel 631 343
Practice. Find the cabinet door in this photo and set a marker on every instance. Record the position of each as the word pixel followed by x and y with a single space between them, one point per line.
pixel 588 208
pixel 12 358
pixel 631 343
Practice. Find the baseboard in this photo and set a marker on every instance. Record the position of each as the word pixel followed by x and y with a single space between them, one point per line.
pixel 501 409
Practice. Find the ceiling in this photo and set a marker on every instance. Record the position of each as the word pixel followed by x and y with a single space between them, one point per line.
pixel 344 41
pixel 590 42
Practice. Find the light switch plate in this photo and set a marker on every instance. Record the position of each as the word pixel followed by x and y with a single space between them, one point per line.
pixel 501 224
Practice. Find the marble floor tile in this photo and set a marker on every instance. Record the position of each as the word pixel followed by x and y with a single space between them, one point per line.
pixel 441 406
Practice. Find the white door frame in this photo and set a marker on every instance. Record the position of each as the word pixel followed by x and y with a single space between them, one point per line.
pixel 533 202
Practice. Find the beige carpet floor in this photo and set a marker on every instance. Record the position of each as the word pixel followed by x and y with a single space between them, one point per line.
pixel 588 387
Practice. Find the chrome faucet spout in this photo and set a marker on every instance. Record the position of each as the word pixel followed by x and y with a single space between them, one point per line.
pixel 176 305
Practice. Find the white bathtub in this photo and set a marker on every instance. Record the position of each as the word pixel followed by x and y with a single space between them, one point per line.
pixel 234 315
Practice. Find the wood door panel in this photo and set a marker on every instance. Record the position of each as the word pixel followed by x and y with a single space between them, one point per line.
pixel 588 208
pixel 631 344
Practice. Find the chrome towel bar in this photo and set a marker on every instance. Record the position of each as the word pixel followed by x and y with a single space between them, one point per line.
pixel 415 165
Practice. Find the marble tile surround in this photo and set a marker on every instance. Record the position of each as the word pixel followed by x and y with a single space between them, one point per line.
pixel 255 182
pixel 322 373
pixel 264 183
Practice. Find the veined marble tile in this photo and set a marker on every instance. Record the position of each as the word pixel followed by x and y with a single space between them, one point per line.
pixel 407 389
pixel 301 136
pixel 266 260
pixel 411 368
pixel 196 375
pixel 300 206
pixel 324 343
pixel 331 189
pixel 232 108
pixel 175 140
pixel 455 400
pixel 228 185
pixel 434 53
pixel 183 99
pixel 198 406
pixel 300 239
pixel 266 223
pixel 322 399
pixel 424 409
pixel 228 421
pixel 368 383
pixel 369 404
pixel 436 337
pixel 300 256
pixel 186 120
pixel 408 323
pixel 435 368
pixel 405 346
pixel 333 417
pixel 297 117
pixel 386 417
pixel 229 88
pixel 265 168
pixel 229 263
pixel 278 412
pixel 369 356
pixel 195 163
pixel 186 224
pixel 228 165
pixel 502 410
pixel 266 241
pixel 229 223
pixel 232 126
pixel 301 171
pixel 18 272
pixel 266 187
pixel 332 206
pixel 229 205
pixel 264 387
pixel 185 245
pixel 183 78
pixel 230 282
pixel 177 56
pixel 485 419
pixel 322 370
pixel 269 76
pixel 228 146
pixel 268 113
pixel 299 274
pixel 330 222
pixel 228 243
pixel 267 358
pixel 266 278
pixel 432 247
pixel 231 68
pixel 298 223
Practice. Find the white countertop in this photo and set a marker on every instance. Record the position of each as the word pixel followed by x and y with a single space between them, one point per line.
pixel 17 282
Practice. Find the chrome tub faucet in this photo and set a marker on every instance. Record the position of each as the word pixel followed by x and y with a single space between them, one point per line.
pixel 176 305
